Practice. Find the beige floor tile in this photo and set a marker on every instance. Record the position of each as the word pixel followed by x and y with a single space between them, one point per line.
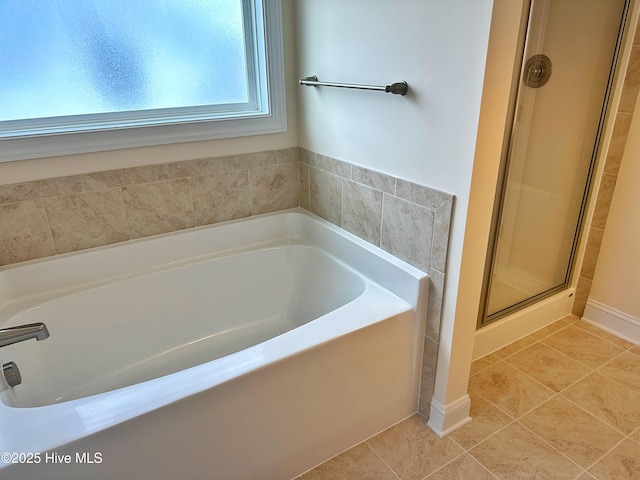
pixel 579 435
pixel 623 462
pixel 509 389
pixel 549 329
pixel 598 332
pixel 483 362
pixel 463 467
pixel 412 450
pixel 635 350
pixel 358 463
pixel 486 420
pixel 514 347
pixel 625 369
pixel 582 346
pixel 609 401
pixel 516 453
pixel 550 367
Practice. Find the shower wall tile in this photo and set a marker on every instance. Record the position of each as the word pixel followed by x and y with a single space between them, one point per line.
pixel 25 233
pixel 618 142
pixel 160 207
pixel 304 187
pixel 592 249
pixel 631 86
pixel 86 220
pixel 288 155
pixel 581 296
pixel 221 197
pixel 603 200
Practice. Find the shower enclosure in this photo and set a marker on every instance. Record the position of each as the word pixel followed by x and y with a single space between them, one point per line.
pixel 559 102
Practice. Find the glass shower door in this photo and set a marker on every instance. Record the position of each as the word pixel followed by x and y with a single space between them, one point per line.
pixel 568 55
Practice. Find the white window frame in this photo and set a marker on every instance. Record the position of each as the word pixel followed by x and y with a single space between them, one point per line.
pixel 265 113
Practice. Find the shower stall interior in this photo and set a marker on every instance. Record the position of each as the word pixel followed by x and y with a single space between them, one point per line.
pixel 558 107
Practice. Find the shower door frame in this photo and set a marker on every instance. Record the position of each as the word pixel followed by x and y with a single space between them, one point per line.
pixel 484 318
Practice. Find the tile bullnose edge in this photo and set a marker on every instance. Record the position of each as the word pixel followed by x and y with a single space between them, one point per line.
pixel 444 419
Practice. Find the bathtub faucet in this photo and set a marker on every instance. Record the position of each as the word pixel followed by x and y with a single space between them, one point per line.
pixel 21 333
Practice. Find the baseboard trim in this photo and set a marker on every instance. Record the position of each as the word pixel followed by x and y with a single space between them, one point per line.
pixel 444 419
pixel 612 321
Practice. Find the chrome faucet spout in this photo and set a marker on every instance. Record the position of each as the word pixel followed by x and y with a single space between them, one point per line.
pixel 21 333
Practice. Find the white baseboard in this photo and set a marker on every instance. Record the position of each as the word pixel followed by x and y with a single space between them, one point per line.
pixel 509 329
pixel 444 419
pixel 613 321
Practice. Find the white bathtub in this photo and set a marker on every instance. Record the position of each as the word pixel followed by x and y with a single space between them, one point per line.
pixel 252 349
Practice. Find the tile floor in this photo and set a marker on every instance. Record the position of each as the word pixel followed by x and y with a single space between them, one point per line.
pixel 561 403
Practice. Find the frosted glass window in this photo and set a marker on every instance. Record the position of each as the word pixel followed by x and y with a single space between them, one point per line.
pixel 90 65
pixel 72 57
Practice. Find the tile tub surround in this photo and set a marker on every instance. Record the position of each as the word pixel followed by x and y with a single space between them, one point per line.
pixel 60 215
pixel 408 220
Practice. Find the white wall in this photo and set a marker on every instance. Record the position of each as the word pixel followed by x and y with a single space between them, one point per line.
pixel 439 48
pixel 617 274
pixel 27 170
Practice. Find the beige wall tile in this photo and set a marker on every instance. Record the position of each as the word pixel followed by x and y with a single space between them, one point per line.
pixel 434 304
pixel 25 233
pixel 87 220
pixel 618 143
pixel 629 93
pixel 288 155
pixel 592 249
pixel 325 195
pixel 362 211
pixel 159 207
pixel 248 161
pixel 188 168
pixel 371 178
pixel 603 201
pixel 274 188
pixel 422 195
pixel 428 376
pixel 441 231
pixel 117 178
pixel 53 187
pixel 222 197
pixel 581 296
pixel 303 185
pixel 407 231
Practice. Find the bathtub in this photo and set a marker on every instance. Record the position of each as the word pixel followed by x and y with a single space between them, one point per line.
pixel 252 349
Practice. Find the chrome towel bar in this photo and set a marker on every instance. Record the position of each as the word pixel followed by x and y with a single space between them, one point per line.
pixel 398 88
